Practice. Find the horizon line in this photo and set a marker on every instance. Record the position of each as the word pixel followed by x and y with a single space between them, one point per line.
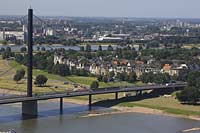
pixel 121 17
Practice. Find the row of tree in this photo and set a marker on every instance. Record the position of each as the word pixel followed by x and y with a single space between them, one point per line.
pixel 39 81
pixel 172 54
pixel 158 78
pixel 56 40
pixel 124 76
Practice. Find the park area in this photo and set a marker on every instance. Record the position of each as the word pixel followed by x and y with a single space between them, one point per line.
pixel 54 84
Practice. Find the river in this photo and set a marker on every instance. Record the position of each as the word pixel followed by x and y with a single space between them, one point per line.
pixel 48 47
pixel 49 121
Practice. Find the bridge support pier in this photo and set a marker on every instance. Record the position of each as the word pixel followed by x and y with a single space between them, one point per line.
pixel 136 93
pixel 116 95
pixel 139 93
pixel 90 102
pixel 30 108
pixel 61 105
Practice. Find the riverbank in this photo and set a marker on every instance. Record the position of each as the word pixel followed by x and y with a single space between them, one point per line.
pixel 118 109
pixel 145 110
pixel 166 105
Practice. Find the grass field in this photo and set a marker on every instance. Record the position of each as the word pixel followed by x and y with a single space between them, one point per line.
pixel 6 80
pixel 88 80
pixel 189 46
pixel 169 105
pixel 55 82
pixel 85 81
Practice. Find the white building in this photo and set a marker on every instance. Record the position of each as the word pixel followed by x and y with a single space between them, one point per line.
pixel 110 39
pixel 7 34
pixel 50 32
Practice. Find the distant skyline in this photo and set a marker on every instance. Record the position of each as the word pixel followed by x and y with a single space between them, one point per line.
pixel 104 8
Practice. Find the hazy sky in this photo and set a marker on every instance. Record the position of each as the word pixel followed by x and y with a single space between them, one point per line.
pixel 107 8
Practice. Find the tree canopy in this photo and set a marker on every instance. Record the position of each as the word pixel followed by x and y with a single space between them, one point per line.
pixel 40 80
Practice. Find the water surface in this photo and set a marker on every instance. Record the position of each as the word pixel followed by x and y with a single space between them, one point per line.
pixel 50 121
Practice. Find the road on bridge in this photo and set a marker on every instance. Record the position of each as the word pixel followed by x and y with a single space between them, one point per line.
pixel 89 93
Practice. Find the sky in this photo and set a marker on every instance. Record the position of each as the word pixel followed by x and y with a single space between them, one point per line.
pixel 104 8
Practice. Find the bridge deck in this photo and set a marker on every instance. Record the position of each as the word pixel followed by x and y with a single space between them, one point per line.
pixel 86 93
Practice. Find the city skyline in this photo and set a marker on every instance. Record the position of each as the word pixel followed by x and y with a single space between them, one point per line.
pixel 126 8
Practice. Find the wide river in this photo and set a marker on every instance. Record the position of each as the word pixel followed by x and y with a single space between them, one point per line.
pixel 48 47
pixel 49 121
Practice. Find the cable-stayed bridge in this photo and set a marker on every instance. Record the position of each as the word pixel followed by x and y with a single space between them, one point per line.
pixel 29 101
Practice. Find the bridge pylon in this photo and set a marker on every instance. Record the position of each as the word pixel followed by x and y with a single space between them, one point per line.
pixel 30 108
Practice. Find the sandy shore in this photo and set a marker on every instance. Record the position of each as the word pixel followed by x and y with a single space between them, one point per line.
pixel 120 109
pixel 144 110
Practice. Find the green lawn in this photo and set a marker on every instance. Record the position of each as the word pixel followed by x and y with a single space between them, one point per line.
pixel 86 81
pixel 189 46
pixel 54 83
pixel 36 71
pixel 169 105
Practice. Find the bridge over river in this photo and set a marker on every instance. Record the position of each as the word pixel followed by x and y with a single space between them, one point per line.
pixel 29 102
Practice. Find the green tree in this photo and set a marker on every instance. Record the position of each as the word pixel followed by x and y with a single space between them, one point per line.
pixel 8 49
pixel 94 85
pixel 100 48
pixel 21 72
pixel 23 49
pixel 105 79
pixel 19 58
pixel 110 48
pixel 100 78
pixel 193 79
pixel 5 55
pixel 147 77
pixel 43 49
pixel 122 76
pixel 88 48
pixel 17 77
pixel 132 77
pixel 189 95
pixel 159 78
pixel 140 47
pixel 111 75
pixel 61 69
pixel 82 48
pixel 38 48
pixel 2 50
pixel 40 80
